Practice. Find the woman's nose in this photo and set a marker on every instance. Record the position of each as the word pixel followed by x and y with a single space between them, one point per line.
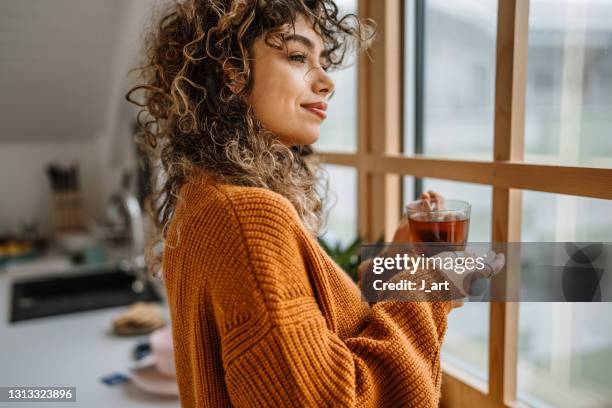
pixel 323 83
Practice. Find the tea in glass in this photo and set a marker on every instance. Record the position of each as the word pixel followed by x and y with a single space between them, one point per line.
pixel 441 229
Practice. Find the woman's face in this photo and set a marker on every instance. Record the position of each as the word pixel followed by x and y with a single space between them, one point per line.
pixel 290 88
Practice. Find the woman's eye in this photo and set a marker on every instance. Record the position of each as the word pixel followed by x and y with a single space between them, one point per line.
pixel 298 58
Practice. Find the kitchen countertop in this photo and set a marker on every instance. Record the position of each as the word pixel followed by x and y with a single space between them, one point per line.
pixel 72 350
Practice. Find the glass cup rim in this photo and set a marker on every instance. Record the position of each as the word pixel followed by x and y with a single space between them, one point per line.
pixel 466 207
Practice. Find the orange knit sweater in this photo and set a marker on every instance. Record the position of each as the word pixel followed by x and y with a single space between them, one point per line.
pixel 261 316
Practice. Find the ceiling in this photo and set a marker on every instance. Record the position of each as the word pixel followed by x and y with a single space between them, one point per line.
pixel 57 64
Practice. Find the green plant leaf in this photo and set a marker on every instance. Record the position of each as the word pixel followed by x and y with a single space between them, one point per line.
pixel 347 258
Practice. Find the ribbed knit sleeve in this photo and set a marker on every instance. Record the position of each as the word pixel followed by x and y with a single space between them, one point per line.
pixel 277 348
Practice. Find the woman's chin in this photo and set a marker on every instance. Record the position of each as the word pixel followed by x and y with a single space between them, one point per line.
pixel 312 139
pixel 310 136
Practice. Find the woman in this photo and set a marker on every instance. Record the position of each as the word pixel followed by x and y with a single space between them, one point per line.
pixel 236 92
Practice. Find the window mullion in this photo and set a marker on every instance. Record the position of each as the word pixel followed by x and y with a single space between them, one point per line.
pixel 509 128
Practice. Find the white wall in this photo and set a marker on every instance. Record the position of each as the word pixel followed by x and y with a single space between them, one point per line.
pixel 99 135
pixel 26 194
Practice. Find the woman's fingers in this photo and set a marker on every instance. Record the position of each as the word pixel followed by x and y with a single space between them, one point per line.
pixel 493 263
pixel 496 264
pixel 437 198
pixel 433 197
pixel 462 279
pixel 426 202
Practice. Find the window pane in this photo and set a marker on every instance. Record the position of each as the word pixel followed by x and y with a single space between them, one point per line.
pixel 569 83
pixel 565 349
pixel 458 66
pixel 339 130
pixel 342 222
pixel 467 336
pixel 557 218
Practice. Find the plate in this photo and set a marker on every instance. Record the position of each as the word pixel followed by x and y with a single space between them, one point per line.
pixel 150 380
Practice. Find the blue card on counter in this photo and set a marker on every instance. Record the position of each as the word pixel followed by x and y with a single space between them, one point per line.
pixel 114 379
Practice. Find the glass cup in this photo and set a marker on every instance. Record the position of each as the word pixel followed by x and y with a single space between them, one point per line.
pixel 433 230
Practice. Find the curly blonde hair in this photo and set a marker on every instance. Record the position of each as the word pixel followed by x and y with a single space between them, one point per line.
pixel 194 115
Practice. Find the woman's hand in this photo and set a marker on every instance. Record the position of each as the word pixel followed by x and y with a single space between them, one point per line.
pixel 402 234
pixel 461 281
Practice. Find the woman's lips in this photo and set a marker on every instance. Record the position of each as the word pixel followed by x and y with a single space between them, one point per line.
pixel 320 113
pixel 318 108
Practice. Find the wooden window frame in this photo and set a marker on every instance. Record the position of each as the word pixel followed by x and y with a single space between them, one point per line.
pixel 380 166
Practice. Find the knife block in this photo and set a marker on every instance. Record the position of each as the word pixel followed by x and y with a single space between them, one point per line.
pixel 68 211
